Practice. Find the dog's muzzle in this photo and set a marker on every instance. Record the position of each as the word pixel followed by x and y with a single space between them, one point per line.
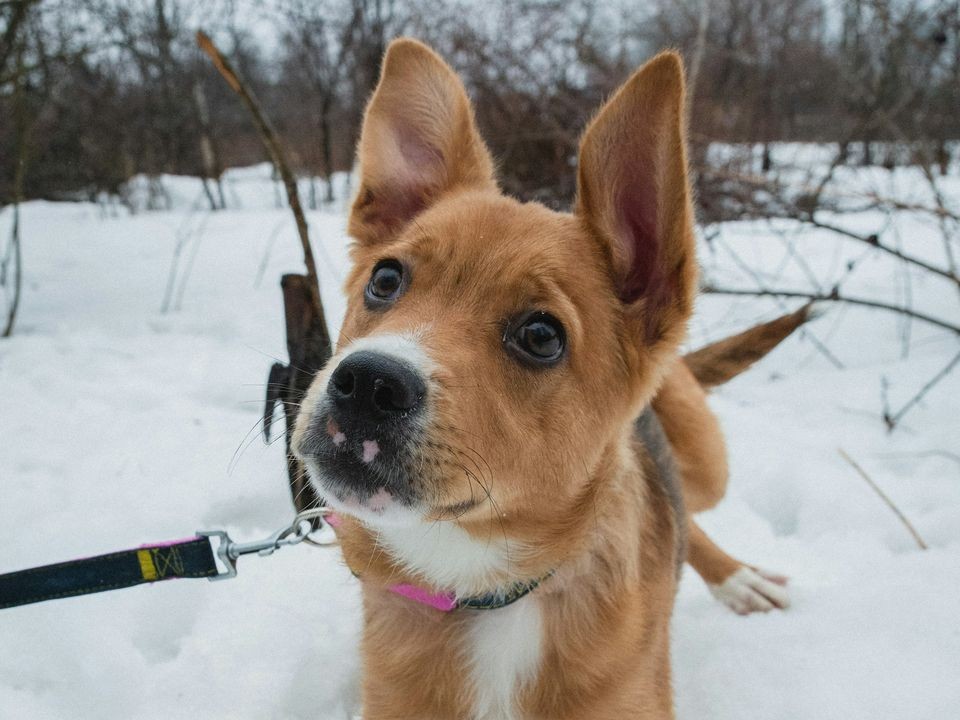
pixel 366 429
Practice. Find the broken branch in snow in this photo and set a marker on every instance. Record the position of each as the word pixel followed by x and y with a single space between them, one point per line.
pixel 272 143
pixel 308 339
pixel 883 496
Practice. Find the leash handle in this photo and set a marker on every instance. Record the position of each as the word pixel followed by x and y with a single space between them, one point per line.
pixel 190 558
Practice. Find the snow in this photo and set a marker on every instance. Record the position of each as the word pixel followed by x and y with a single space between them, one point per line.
pixel 122 424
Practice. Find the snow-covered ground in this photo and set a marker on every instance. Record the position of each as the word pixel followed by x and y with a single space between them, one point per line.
pixel 121 424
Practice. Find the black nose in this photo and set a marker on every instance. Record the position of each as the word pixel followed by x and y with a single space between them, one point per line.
pixel 373 386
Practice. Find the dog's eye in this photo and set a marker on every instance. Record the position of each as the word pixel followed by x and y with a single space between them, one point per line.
pixel 386 282
pixel 537 337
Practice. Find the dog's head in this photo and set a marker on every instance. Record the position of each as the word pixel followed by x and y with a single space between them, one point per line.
pixel 493 352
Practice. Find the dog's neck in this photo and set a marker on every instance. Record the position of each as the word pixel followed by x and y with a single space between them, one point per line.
pixel 609 565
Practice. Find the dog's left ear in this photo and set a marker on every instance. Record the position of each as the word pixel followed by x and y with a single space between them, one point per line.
pixel 633 193
pixel 419 141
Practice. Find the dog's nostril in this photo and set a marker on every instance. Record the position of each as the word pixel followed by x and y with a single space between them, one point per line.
pixel 344 382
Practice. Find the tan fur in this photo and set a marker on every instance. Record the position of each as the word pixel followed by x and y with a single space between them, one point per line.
pixel 695 436
pixel 548 458
pixel 723 360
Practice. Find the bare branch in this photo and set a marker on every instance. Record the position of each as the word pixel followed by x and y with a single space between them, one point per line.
pixel 892 419
pixel 834 296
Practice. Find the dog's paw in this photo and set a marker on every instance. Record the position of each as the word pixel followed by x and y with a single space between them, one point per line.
pixel 751 590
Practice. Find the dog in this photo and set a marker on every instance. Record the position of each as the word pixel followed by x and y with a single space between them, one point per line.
pixel 513 445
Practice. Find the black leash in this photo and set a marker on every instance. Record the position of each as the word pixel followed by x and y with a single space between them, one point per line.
pixel 191 558
pixel 211 554
pixel 194 557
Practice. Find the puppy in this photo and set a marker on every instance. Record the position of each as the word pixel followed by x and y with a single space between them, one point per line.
pixel 504 428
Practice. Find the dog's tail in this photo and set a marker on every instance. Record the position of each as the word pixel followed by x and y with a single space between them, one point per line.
pixel 723 360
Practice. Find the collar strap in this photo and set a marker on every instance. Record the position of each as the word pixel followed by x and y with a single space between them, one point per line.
pixel 448 601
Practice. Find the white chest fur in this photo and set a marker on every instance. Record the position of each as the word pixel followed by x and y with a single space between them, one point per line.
pixel 447 555
pixel 503 652
pixel 502 647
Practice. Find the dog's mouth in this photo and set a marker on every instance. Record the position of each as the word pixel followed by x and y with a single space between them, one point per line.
pixel 370 474
pixel 393 477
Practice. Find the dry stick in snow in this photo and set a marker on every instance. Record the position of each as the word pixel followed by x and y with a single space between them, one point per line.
pixel 272 143
pixel 308 339
pixel 876 488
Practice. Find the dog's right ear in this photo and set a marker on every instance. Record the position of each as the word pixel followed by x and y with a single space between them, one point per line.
pixel 419 141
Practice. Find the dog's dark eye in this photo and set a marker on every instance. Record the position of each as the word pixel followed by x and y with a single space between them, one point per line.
pixel 537 337
pixel 386 282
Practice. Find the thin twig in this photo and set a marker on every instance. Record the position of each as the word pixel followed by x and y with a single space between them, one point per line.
pixel 835 297
pixel 874 241
pixel 892 419
pixel 883 496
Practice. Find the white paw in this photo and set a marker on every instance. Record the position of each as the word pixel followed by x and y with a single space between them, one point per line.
pixel 749 590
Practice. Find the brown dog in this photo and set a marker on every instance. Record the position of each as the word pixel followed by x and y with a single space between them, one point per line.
pixel 517 529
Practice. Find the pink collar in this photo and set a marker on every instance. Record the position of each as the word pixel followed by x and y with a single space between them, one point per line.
pixel 444 601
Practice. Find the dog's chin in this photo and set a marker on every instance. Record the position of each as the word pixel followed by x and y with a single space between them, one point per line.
pixel 380 508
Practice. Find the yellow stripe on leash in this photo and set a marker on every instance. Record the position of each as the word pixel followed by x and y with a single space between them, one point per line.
pixel 147 568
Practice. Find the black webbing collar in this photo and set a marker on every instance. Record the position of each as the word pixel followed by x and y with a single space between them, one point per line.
pixel 508 596
pixel 191 558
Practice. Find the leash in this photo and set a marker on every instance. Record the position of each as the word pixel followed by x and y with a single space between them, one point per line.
pixel 194 557
pixel 198 556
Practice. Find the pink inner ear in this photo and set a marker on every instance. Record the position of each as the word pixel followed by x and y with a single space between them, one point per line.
pixel 646 277
pixel 636 206
pixel 412 181
pixel 423 163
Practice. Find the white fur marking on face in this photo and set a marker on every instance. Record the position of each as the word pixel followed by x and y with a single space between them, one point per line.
pixel 339 439
pixel 370 450
pixel 504 653
pixel 447 555
pixel 749 590
pixel 400 347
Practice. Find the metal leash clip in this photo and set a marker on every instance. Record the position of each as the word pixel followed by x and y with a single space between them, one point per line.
pixel 300 530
